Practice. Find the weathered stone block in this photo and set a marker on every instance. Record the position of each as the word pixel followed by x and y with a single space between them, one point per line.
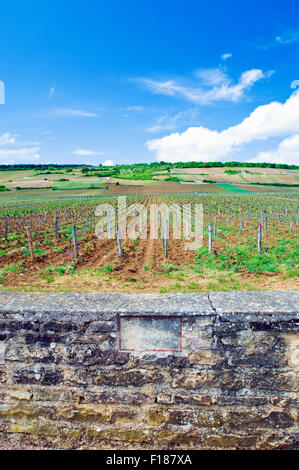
pixel 37 375
pixel 201 419
pixel 272 379
pixel 36 353
pixel 116 434
pixel 37 429
pixel 156 416
pixel 44 339
pixel 230 441
pixel 101 327
pixel 193 398
pixel 169 361
pixel 204 357
pixel 193 379
pixel 280 419
pixel 28 410
pixel 20 394
pixel 93 354
pixel 292 341
pixel 134 377
pixel 228 378
pixel 116 396
pixel 3 376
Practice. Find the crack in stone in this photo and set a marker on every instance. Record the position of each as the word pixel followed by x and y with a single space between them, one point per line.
pixel 211 304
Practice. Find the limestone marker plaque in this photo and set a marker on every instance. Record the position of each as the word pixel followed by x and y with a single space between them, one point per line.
pixel 150 333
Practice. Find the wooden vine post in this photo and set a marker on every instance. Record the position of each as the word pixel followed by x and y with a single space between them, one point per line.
pixel 210 238
pixel 31 226
pixel 259 239
pixel 120 251
pixel 56 226
pixel 6 227
pixel 75 242
pixel 30 242
pixel 166 237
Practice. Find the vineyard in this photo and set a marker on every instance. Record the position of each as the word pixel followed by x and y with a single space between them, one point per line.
pixel 67 243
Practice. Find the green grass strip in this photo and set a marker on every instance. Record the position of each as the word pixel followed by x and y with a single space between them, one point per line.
pixel 234 189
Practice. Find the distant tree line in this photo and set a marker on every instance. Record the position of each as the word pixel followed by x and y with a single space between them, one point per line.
pixel 142 167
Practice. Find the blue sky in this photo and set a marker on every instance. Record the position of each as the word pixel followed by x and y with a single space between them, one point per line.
pixel 135 81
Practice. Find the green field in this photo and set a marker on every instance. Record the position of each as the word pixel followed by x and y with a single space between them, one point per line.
pixel 75 185
pixel 230 187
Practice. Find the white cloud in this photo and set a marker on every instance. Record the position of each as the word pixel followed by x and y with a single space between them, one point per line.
pixel 211 77
pixel 285 39
pixel 167 122
pixel 222 87
pixel 108 163
pixel 200 143
pixel 86 152
pixel 71 112
pixel 287 152
pixel 36 143
pixel 32 153
pixel 9 155
pixel 138 109
pixel 288 38
pixel 7 138
pixel 52 91
pixel 226 56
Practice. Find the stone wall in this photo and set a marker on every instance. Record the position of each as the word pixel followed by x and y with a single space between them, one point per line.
pixel 70 378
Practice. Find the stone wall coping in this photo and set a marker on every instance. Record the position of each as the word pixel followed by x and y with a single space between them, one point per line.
pixel 264 306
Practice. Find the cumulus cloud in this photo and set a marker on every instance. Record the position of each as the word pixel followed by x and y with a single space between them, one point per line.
pixel 287 152
pixel 202 144
pixel 108 163
pixel 221 86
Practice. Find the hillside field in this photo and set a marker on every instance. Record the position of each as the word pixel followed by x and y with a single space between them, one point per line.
pixel 61 202
pixel 142 179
